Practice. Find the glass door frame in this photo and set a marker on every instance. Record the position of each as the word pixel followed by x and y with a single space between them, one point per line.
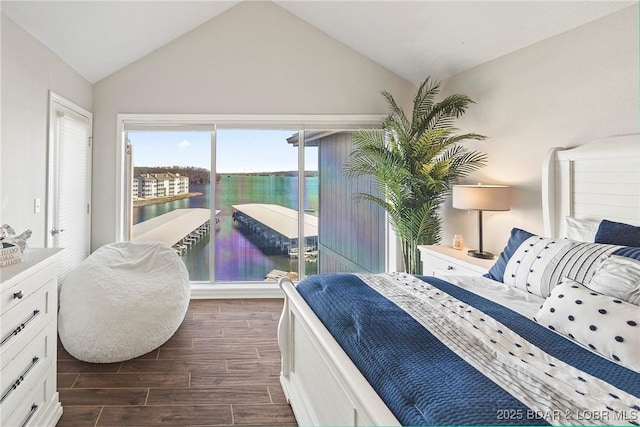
pixel 211 123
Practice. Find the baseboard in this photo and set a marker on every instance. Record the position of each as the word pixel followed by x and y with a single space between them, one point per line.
pixel 235 290
pixel 232 290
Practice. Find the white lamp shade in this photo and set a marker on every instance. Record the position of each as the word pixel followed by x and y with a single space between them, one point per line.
pixel 481 197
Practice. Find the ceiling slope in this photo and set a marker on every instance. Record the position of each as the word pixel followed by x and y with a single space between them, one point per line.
pixel 411 38
pixel 97 38
pixel 415 39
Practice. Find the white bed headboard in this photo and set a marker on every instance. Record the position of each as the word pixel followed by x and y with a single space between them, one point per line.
pixel 597 180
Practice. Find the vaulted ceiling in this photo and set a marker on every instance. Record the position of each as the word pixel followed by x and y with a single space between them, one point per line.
pixel 410 38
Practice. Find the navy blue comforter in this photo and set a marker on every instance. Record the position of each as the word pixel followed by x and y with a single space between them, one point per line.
pixel 419 378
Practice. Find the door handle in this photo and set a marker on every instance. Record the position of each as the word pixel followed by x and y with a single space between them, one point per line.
pixel 56 231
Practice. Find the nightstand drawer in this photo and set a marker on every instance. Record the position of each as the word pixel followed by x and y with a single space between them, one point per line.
pixel 440 261
pixel 443 267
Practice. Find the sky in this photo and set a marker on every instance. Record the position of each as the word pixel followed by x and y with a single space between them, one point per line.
pixel 238 150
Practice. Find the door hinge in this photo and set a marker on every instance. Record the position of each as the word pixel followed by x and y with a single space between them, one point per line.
pixel 88 208
pixel 90 139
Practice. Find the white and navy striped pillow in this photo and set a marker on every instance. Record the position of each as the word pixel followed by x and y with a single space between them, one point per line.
pixel 540 263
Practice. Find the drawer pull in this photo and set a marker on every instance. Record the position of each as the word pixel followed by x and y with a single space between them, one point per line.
pixel 34 408
pixel 449 267
pixel 18 295
pixel 20 379
pixel 20 328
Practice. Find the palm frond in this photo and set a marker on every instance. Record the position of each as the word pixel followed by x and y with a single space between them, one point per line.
pixel 465 163
pixel 424 100
pixel 415 163
pixel 459 138
pixel 444 113
pixel 397 116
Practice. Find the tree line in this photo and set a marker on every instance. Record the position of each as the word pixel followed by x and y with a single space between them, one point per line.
pixel 196 175
pixel 202 176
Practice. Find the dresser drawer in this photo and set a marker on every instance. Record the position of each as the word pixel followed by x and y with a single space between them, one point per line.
pixel 28 340
pixel 21 324
pixel 35 404
pixel 25 372
pixel 21 290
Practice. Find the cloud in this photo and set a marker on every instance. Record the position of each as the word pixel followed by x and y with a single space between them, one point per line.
pixel 184 143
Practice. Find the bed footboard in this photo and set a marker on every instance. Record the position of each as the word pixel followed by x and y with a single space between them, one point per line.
pixel 321 383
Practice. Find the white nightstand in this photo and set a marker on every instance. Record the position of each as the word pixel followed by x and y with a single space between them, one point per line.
pixel 439 260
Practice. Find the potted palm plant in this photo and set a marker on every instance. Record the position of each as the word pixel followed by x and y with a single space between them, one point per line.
pixel 415 160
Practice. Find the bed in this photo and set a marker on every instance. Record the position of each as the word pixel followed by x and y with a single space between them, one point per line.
pixel 396 349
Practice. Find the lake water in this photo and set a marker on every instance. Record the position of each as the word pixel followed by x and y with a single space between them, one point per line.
pixel 239 254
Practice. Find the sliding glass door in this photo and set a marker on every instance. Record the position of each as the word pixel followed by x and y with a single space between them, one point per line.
pixel 246 205
pixel 257 180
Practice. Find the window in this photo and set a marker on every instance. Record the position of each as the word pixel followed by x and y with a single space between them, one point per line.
pixel 244 195
pixel 171 194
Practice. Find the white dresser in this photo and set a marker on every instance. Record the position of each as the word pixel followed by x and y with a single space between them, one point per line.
pixel 28 341
pixel 440 260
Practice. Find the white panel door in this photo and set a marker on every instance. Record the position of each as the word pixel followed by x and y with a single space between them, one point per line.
pixel 69 199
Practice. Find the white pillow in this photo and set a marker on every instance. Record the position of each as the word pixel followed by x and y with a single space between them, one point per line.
pixel 540 263
pixel 606 325
pixel 581 230
pixel 619 277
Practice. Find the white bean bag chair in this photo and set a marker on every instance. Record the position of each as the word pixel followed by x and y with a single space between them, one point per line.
pixel 125 300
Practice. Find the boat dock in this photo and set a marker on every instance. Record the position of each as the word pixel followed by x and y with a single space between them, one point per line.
pixel 278 225
pixel 180 228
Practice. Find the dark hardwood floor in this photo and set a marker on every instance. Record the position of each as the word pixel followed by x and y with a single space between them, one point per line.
pixel 220 368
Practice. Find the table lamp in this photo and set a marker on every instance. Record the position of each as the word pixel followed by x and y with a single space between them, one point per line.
pixel 481 198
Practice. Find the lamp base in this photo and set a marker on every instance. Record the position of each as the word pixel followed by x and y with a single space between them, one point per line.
pixel 480 254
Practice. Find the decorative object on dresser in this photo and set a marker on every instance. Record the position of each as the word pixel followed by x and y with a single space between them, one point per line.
pixel 8 235
pixel 415 160
pixel 441 260
pixel 481 198
pixel 9 254
pixel 28 330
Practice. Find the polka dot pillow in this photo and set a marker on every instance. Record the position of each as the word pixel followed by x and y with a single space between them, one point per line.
pixel 606 325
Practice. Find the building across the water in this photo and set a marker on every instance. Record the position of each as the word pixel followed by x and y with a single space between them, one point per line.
pixel 151 185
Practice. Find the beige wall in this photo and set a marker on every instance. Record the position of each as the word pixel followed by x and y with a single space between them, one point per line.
pixel 29 71
pixel 256 58
pixel 564 91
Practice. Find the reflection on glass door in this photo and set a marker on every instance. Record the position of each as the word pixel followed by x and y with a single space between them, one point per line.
pixel 257 196
pixel 171 193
